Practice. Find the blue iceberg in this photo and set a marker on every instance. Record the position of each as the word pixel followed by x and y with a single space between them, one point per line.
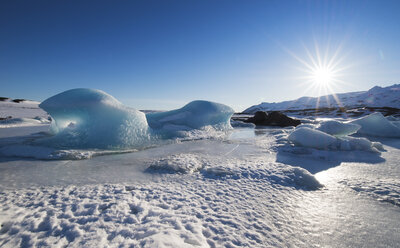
pixel 89 118
pixel 194 115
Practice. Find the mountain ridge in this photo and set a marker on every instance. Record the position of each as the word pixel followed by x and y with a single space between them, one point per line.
pixel 377 96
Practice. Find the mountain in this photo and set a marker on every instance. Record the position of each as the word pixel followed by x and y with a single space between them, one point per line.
pixel 376 97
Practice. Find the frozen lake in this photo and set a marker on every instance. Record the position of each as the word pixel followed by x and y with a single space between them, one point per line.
pixel 244 188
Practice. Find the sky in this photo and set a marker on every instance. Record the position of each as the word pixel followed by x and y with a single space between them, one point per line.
pixel 164 54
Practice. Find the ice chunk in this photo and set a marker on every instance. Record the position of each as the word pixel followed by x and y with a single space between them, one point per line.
pixel 338 128
pixel 377 125
pixel 359 144
pixel 89 118
pixel 194 115
pixel 311 138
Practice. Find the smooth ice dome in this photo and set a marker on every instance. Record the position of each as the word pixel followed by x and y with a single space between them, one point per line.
pixel 377 125
pixel 194 115
pixel 311 138
pixel 308 137
pixel 95 119
pixel 338 128
pixel 89 118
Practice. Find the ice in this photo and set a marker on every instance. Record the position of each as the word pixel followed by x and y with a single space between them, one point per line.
pixel 88 118
pixel 194 115
pixel 311 138
pixel 377 125
pixel 91 118
pixel 338 128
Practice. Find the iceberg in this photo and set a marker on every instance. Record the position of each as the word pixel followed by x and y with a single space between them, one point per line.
pixel 338 128
pixel 89 118
pixel 194 115
pixel 311 138
pixel 308 137
pixel 376 124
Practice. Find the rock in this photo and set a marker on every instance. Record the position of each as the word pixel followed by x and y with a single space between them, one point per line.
pixel 274 118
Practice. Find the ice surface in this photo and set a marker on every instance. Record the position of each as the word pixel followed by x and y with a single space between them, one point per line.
pixel 377 125
pixel 194 115
pixel 338 128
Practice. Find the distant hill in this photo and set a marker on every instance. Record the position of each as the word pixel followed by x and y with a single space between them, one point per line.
pixel 377 97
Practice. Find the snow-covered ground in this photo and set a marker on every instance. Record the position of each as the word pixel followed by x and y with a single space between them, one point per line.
pixel 244 187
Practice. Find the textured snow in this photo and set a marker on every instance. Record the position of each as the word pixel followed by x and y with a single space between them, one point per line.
pixel 338 128
pixel 377 125
pixel 375 97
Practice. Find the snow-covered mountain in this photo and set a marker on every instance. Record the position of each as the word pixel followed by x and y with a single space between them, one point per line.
pixel 375 97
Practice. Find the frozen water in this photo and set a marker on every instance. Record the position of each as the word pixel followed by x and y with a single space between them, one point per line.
pixel 88 118
pixel 338 128
pixel 93 119
pixel 311 138
pixel 377 125
pixel 194 115
pixel 236 191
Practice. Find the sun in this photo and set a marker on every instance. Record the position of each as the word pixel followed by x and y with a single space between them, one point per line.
pixel 322 76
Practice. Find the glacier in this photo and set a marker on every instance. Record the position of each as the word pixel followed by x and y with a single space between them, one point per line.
pixel 90 118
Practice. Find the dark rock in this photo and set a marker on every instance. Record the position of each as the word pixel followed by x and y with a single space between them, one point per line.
pixel 18 100
pixel 274 118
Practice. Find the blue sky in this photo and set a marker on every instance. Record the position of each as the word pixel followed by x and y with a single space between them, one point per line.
pixel 163 54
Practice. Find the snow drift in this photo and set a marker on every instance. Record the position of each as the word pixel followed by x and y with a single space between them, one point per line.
pixel 89 118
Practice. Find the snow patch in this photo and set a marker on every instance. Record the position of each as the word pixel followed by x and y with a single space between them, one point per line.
pixel 181 163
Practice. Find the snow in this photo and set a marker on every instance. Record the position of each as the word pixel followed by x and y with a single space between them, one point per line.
pixel 248 187
pixel 375 97
pixel 377 125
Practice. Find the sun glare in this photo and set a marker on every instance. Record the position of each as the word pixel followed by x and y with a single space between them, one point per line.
pixel 322 72
pixel 323 76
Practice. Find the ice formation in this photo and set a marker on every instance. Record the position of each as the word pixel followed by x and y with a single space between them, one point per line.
pixel 377 125
pixel 338 128
pixel 93 118
pixel 194 115
pixel 89 118
pixel 311 138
